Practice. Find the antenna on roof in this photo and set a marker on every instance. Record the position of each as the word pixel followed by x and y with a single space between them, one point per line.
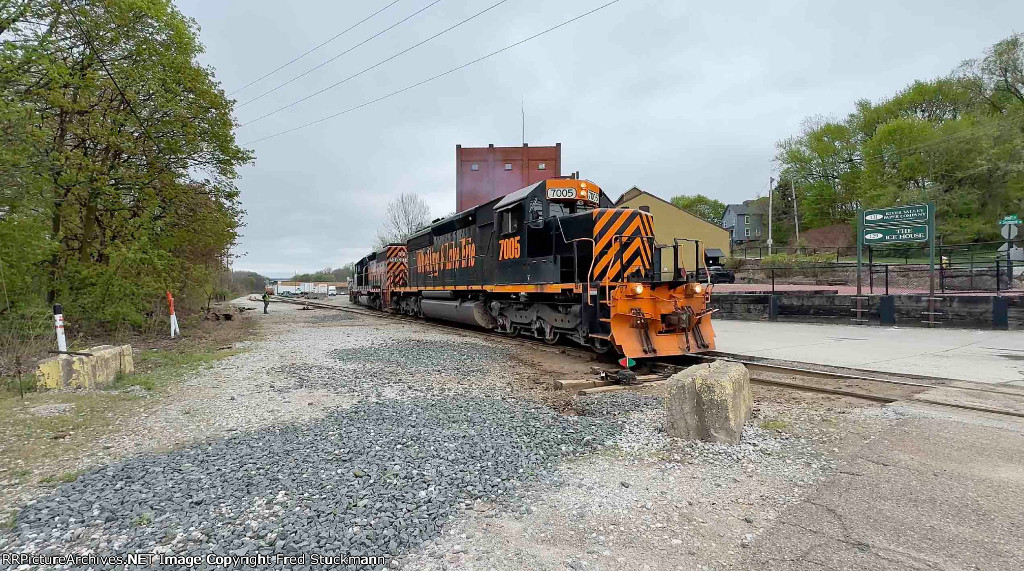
pixel 523 110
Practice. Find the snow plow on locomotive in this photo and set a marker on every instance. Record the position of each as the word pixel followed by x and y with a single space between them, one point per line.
pixel 553 260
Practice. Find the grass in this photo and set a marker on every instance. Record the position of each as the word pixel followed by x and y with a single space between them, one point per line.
pixel 143 519
pixel 65 478
pixel 29 442
pixel 776 425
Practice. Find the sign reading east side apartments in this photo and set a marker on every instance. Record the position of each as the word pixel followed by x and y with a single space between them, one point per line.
pixel 896 215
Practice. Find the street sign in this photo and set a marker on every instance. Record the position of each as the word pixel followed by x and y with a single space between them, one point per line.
pixel 1009 231
pixel 896 235
pixel 1010 219
pixel 896 215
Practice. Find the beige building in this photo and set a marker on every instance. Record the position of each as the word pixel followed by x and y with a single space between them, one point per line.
pixel 671 222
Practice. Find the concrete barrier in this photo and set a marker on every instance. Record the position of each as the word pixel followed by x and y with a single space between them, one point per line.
pixel 709 402
pixel 96 371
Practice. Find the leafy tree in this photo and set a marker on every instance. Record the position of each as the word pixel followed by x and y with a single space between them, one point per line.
pixel 957 141
pixel 327 275
pixel 247 282
pixel 701 206
pixel 118 160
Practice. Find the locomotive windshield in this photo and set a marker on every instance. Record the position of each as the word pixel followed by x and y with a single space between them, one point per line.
pixel 565 209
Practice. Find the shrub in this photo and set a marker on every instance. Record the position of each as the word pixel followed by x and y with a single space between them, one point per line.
pixel 791 265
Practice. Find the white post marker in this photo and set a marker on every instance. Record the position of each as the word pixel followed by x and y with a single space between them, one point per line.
pixel 58 325
pixel 174 318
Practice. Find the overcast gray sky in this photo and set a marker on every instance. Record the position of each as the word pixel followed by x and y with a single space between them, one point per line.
pixel 675 97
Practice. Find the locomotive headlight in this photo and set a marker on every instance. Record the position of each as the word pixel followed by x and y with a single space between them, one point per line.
pixel 638 289
pixel 697 289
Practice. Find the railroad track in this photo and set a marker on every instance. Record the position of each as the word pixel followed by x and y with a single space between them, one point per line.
pixel 874 386
pixel 877 386
pixel 526 341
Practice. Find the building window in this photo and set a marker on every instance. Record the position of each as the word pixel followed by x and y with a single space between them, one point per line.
pixel 746 219
pixel 542 167
pixel 645 209
pixel 474 167
pixel 746 232
pixel 508 166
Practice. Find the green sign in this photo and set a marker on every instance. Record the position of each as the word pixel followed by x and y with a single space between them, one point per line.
pixel 1010 219
pixel 895 235
pixel 896 215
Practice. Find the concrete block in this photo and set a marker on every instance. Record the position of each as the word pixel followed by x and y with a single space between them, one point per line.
pixel 709 402
pixel 96 371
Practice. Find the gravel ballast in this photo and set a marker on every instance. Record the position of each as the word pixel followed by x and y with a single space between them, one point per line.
pixel 431 429
pixel 374 479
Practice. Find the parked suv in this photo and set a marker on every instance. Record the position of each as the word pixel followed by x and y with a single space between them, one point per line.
pixel 719 275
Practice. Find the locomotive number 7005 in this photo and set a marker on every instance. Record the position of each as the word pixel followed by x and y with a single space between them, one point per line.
pixel 509 248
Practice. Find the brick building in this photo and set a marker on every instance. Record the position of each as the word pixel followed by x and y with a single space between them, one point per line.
pixel 486 173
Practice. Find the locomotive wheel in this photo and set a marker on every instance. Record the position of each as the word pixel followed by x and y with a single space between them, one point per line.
pixel 600 346
pixel 550 336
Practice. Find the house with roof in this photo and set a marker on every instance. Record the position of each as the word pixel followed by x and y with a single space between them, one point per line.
pixel 671 222
pixel 744 223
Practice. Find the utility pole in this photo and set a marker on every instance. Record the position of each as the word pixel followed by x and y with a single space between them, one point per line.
pixel 796 215
pixel 771 184
pixel 523 109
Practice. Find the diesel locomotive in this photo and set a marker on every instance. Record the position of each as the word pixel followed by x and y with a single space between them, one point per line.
pixel 553 260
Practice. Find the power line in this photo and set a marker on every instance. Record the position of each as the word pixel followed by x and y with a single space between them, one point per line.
pixel 367 40
pixel 378 64
pixel 438 76
pixel 313 49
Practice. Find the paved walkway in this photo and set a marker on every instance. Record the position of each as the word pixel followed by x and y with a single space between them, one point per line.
pixel 972 355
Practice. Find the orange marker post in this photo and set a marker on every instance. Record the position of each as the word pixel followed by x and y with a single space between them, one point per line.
pixel 174 318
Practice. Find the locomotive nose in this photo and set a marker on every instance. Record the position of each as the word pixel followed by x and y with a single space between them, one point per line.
pixel 660 321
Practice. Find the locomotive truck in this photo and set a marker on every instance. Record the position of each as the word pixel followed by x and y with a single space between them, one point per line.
pixel 552 260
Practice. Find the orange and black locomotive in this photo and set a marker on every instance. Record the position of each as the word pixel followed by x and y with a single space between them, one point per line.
pixel 553 260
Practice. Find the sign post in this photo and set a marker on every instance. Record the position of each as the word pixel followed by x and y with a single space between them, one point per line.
pixel 1008 232
pixel 897 225
pixel 174 318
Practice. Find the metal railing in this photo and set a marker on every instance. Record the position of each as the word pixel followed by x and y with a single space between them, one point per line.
pixel 997 277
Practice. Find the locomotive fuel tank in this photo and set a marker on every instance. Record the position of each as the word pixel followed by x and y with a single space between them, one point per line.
pixel 466 312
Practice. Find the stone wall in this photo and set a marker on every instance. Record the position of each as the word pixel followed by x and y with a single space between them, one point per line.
pixel 957 311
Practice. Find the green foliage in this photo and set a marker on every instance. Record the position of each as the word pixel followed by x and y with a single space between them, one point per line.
pixel 247 282
pixel 327 275
pixel 734 263
pixel 107 200
pixel 791 265
pixel 701 206
pixel 796 261
pixel 957 141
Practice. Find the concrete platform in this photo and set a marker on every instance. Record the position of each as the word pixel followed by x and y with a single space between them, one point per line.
pixel 971 355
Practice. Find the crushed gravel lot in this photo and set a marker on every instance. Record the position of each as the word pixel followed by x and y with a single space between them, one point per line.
pixel 347 435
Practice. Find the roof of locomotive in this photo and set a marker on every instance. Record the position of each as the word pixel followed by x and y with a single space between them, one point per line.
pixel 518 195
pixel 496 204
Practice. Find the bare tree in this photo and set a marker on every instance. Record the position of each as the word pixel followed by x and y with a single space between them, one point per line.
pixel 405 215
